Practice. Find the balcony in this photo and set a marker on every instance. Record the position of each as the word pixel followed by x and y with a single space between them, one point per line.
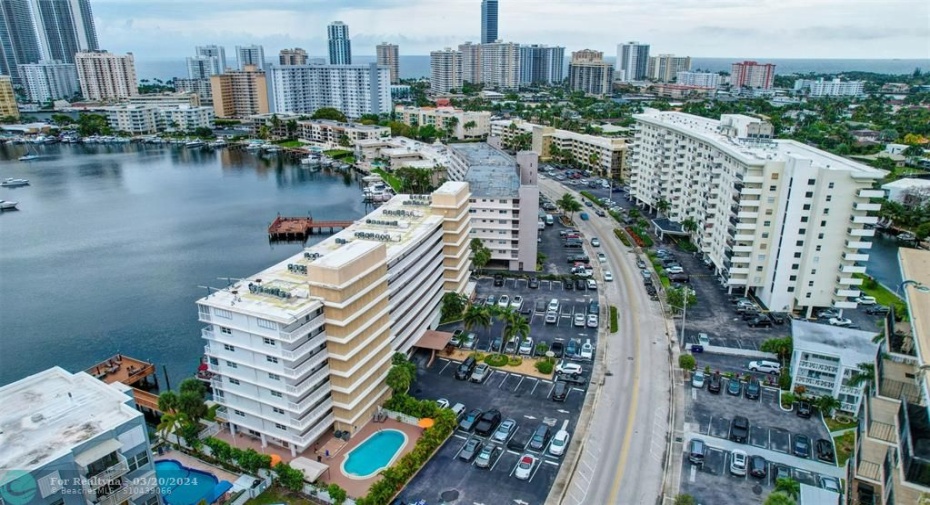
pixel 748 215
pixel 739 271
pixel 914 423
pixel 742 248
pixel 744 238
pixel 116 497
pixel 751 192
pixel 872 193
pixel 855 257
pixel 323 390
pixel 860 232
pixel 849 281
pixel 850 244
pixel 302 331
pixel 308 383
pixel 843 293
pixel 852 269
pixel 810 381
pixel 302 349
pixel 105 469
pixel 820 367
pixel 308 365
pixel 867 207
pixel 746 226
pixel 863 219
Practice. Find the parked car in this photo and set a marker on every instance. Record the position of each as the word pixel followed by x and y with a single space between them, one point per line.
pixel 601 257
pixel 758 467
pixel 830 484
pixel 559 391
pixel 840 321
pixel 697 380
pixel 734 387
pixel 579 320
pixel 760 320
pixel 516 302
pixel 877 310
pixel 865 300
pixel 675 270
pixel 525 467
pixel 646 274
pixel 777 318
pixel 640 264
pixel 488 422
pixel 504 301
pixel 739 429
pixel 572 348
pixel 824 450
pixel 498 280
pixel 804 409
pixel 487 456
pixel 471 418
pixel 587 350
pixel 753 390
pixel 463 372
pixel 827 314
pixel 738 462
pixel 782 472
pixel 504 430
pixel 470 449
pixel 490 300
pixel 557 348
pixel 442 403
pixel 554 304
pixel 592 321
pixel 565 368
pixel 765 366
pixel 540 438
pixel 580 284
pixel 559 443
pixel 714 384
pixel 697 450
pixel 595 242
pixel 480 373
pixel 802 446
pixel 577 380
pixel 469 341
pixel 533 283
pixel 526 346
pixel 511 346
pixel 496 344
pixel 608 277
pixel 591 284
pixel 552 317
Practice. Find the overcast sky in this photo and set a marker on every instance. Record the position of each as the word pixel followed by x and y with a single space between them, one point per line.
pixel 169 29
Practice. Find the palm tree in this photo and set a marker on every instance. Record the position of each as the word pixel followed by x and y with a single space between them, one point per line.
pixel 569 204
pixel 789 487
pixel 689 225
pixel 662 206
pixel 475 316
pixel 865 376
pixel 469 125
pixel 172 419
pixel 779 498
pixel 827 404
pixel 515 326
pixel 594 159
pixel 451 123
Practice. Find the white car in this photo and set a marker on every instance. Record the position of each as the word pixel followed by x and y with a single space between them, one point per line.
pixel 554 304
pixel 559 443
pixel 840 321
pixel 595 242
pixel 608 277
pixel 504 302
pixel 526 347
pixel 738 463
pixel 602 257
pixel 591 284
pixel 442 403
pixel 587 350
pixel 552 317
pixel 517 302
pixel 703 339
pixel 675 270
pixel 579 320
pixel 866 300
pixel 525 467
pixel 592 320
pixel 565 368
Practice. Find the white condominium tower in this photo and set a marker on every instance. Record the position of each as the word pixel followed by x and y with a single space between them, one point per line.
pixel 354 90
pixel 777 218
pixel 106 76
pixel 305 345
pixel 250 55
pixel 632 61
pixel 445 70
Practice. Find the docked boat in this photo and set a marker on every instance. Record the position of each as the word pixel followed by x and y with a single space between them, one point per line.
pixel 217 144
pixel 14 183
pixel 271 148
pixel 194 144
pixel 372 178
pixel 8 205
pixel 906 237
pixel 28 157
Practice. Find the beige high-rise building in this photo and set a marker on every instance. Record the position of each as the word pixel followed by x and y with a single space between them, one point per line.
pixel 296 56
pixel 240 93
pixel 495 64
pixel 388 56
pixel 8 105
pixel 445 70
pixel 106 76
pixel 665 67
pixel 588 72
pixel 304 346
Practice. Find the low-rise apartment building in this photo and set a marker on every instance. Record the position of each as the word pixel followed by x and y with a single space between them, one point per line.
pixel 305 345
pixel 835 87
pixel 890 462
pixel 334 133
pixel 148 119
pixel 399 152
pixel 462 124
pixel 501 186
pixel 176 99
pixel 776 218
pixel 604 155
pixel 72 439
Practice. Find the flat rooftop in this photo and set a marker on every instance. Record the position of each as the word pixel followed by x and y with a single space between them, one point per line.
pixel 285 291
pixel 754 153
pixel 915 266
pixel 45 415
pixel 491 172
pixel 851 346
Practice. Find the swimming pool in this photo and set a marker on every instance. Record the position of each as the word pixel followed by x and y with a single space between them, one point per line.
pixel 181 485
pixel 376 453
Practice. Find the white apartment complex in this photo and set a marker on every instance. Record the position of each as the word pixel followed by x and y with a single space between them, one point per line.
pixel 307 343
pixel 355 90
pixel 541 64
pixel 605 155
pixel 401 152
pixel 445 70
pixel 777 218
pixel 836 87
pixel 253 55
pixel 140 119
pixel 106 76
pixel 330 133
pixel 825 358
pixel 495 64
pixel 72 439
pixel 447 118
pixel 500 187
pixel 665 67
pixel 167 99
pixel 702 79
pixel 588 72
pixel 49 80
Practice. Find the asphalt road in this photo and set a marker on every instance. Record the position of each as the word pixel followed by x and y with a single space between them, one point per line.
pixel 624 452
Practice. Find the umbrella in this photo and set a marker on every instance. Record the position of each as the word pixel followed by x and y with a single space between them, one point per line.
pixel 426 422
pixel 275 459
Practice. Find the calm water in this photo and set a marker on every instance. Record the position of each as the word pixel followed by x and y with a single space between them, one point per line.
pixel 111 244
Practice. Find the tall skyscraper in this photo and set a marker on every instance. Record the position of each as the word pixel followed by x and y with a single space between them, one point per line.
pixel 217 55
pixel 240 93
pixel 388 57
pixel 250 56
pixel 445 70
pixel 488 21
pixel 589 72
pixel 49 80
pixel 632 61
pixel 296 56
pixel 750 74
pixel 106 76
pixel 665 67
pixel 64 27
pixel 340 47
pixel 18 42
pixel 541 64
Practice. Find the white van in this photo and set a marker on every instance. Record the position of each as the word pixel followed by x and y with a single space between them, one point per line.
pixel 459 410
pixel 541 225
pixel 549 220
pixel 765 366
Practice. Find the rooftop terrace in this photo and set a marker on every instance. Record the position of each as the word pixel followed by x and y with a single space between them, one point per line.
pixel 491 172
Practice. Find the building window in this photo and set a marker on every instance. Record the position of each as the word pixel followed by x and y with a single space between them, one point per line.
pixel 280 427
pixel 791 289
pixel 808 295
pixel 768 212
pixel 823 223
pixel 230 364
pixel 225 330
pixel 276 394
pixel 219 393
pixel 829 198
pixel 820 236
pixel 271 359
pixel 813 271
pixel 274 376
pixel 807 206
pixel 830 185
pixel 239 413
pixel 804 219
pixel 826 211
pixel 225 314
pixel 214 361
pixel 810 284
pixel 138 461
pixel 767 224
pixel 811 182
pixel 268 325
pixel 773 187
pixel 818 248
pixel 229 348
pixel 799 243
pixel 758 269
pixel 797 255
pixel 793 278
pixel 795 266
pixel 802 231
pixel 269 341
pixel 277 410
pixel 775 177
pixel 234 382
pixel 765 234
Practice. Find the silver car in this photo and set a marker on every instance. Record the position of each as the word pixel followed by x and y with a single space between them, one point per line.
pixel 504 430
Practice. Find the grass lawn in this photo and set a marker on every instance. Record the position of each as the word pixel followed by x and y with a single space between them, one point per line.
pixel 289 143
pixel 391 179
pixel 844 446
pixel 834 425
pixel 882 296
pixel 337 153
pixel 275 494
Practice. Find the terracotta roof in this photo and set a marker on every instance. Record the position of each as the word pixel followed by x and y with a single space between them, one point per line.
pixel 432 339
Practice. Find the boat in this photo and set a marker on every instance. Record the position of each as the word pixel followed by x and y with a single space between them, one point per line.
pixel 906 237
pixel 218 144
pixel 271 148
pixel 28 157
pixel 14 183
pixel 372 178
pixel 194 144
pixel 8 205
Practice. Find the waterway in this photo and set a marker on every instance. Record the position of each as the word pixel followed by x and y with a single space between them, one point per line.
pixel 111 243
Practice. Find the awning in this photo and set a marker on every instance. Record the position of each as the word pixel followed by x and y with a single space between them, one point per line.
pixel 98 451
pixel 311 469
pixel 432 339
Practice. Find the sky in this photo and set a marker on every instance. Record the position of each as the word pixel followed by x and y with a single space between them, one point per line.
pixel 758 29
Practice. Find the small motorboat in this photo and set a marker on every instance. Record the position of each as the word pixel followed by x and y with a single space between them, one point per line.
pixel 28 157
pixel 193 144
pixel 8 205
pixel 14 183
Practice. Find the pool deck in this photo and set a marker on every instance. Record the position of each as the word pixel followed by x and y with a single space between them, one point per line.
pixel 192 462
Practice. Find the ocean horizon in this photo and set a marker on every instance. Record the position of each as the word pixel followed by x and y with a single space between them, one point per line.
pixel 416 66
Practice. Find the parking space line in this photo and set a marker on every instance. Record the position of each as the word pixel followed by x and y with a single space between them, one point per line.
pixel 448 362
pixel 535 470
pixel 518 384
pixel 553 463
pixel 693 470
pixel 549 394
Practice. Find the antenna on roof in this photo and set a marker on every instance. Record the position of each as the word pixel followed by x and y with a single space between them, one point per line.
pixel 209 289
pixel 229 280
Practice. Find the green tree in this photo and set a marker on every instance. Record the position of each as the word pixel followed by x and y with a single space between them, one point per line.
pixel 663 205
pixel 398 379
pixel 789 487
pixel 685 499
pixel 476 316
pixel 689 225
pixel 452 306
pixel 782 347
pixel 678 297
pixel 468 126
pixel 568 203
pixel 865 376
pixel 515 326
pixel 427 133
pixel 329 113
pixel 686 362
pixel 338 494
pixel 291 127
pixel 191 399
pixel 289 477
pixel 172 419
pixel 779 498
pixel 827 404
pixel 480 254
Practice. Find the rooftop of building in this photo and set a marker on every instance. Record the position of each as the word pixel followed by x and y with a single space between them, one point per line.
pixel 849 345
pixel 491 172
pixel 907 183
pixel 598 140
pixel 756 152
pixel 915 266
pixel 339 124
pixel 45 415
pixel 282 291
pixel 432 154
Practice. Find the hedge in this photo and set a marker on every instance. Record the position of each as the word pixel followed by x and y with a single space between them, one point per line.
pixel 622 236
pixel 614 319
pixel 544 366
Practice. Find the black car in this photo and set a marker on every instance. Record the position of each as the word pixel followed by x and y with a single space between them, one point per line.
pixel 802 446
pixel 713 385
pixel 753 390
pixel 557 348
pixel 804 409
pixel 578 380
pixel 751 315
pixel 759 320
pixel 758 467
pixel 569 285
pixel 583 258
pixel 498 280
pixel 540 438
pixel 824 450
pixel 519 440
pixel 526 309
pixel 496 343
pixel 471 418
pixel 580 284
pixel 777 318
pixel 733 387
pixel 877 309
pixel 560 391
pixel 471 449
pixel 534 283
pixel 488 422
pixel 463 372
pixel 593 307
pixel 739 429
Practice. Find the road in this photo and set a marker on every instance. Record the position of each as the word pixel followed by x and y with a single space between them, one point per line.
pixel 623 457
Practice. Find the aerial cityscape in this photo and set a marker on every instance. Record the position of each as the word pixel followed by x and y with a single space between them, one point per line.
pixel 471 252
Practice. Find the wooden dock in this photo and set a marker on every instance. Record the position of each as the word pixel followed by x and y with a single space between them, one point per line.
pixel 300 228
pixel 138 374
